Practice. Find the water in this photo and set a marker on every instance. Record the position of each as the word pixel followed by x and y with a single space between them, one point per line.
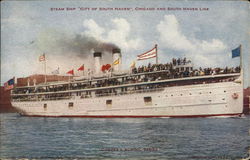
pixel 127 138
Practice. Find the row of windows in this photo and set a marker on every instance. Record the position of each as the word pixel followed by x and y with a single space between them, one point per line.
pixel 147 101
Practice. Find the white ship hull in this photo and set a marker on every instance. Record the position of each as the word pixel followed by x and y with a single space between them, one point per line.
pixel 203 100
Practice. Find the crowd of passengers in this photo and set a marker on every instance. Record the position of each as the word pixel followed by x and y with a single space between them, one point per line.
pixel 174 69
pixel 171 70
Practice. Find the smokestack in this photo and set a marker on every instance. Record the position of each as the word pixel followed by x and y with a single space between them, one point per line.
pixel 117 59
pixel 97 57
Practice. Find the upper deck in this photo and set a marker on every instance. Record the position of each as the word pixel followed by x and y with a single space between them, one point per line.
pixel 144 78
pixel 123 81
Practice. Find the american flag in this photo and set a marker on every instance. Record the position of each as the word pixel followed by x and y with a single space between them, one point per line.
pixel 9 84
pixel 149 54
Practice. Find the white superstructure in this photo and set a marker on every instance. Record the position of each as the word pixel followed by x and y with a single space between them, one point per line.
pixel 160 98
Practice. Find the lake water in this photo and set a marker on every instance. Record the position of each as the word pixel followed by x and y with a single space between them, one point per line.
pixel 123 138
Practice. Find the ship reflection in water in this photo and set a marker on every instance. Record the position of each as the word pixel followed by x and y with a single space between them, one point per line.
pixel 154 138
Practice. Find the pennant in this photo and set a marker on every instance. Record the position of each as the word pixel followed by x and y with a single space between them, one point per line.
pixel 71 72
pixel 116 62
pixel 42 58
pixel 149 54
pixel 9 84
pixel 81 68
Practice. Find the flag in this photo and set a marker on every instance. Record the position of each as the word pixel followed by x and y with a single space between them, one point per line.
pixel 55 71
pixel 42 58
pixel 71 72
pixel 9 84
pixel 132 65
pixel 116 62
pixel 106 67
pixel 103 68
pixel 236 52
pixel 81 68
pixel 149 54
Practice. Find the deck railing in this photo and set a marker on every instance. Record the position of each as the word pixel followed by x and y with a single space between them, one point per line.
pixel 35 98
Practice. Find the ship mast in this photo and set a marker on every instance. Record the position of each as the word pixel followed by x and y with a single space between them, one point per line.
pixel 45 77
pixel 241 66
pixel 156 58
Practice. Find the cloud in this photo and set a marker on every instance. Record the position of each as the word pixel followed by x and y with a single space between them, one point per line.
pixel 202 52
pixel 172 36
pixel 119 33
pixel 93 29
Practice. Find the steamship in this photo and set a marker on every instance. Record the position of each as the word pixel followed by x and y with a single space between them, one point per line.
pixel 173 90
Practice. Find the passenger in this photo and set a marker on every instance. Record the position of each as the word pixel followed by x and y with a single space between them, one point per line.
pixel 178 61
pixel 184 60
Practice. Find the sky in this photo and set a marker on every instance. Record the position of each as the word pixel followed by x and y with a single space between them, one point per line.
pixel 203 31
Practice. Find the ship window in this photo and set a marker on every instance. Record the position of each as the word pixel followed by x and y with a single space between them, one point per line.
pixel 148 100
pixel 71 104
pixel 109 102
pixel 45 106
